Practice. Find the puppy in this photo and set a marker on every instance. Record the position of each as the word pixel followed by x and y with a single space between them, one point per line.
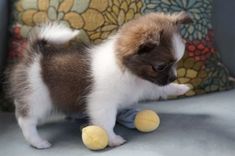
pixel 137 63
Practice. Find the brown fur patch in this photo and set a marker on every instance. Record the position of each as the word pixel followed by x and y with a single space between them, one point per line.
pixel 65 70
pixel 147 29
pixel 66 73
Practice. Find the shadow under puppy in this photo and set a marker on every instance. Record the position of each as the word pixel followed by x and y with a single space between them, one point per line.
pixel 137 63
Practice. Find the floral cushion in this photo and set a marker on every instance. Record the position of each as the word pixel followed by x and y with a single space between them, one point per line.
pixel 97 19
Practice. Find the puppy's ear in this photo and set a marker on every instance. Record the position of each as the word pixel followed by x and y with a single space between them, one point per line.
pixel 151 41
pixel 182 18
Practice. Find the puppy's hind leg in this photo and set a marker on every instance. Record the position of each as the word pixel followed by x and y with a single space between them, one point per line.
pixel 32 96
pixel 28 121
pixel 28 126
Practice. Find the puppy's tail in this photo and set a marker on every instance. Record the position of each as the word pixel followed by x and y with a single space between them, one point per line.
pixel 53 33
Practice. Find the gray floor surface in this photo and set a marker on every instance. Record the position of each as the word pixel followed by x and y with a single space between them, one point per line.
pixel 198 126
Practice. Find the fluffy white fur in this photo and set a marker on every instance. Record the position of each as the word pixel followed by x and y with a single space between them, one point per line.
pixel 56 33
pixel 113 89
pixel 179 46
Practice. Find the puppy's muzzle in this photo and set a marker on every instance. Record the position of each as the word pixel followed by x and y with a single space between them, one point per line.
pixel 171 78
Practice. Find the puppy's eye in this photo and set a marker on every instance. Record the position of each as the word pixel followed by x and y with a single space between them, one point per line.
pixel 146 48
pixel 160 67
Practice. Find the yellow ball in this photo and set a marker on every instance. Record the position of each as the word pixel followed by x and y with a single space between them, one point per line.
pixel 94 137
pixel 147 121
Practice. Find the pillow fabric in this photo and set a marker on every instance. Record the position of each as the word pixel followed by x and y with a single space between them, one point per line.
pixel 97 19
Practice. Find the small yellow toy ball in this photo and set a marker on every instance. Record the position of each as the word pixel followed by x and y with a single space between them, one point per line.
pixel 94 137
pixel 146 121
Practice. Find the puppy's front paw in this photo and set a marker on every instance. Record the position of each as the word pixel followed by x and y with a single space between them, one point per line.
pixel 116 141
pixel 41 144
pixel 182 89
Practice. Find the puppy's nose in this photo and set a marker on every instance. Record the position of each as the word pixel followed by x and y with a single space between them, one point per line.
pixel 172 78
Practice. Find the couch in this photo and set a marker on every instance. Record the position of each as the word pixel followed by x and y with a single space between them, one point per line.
pixel 200 125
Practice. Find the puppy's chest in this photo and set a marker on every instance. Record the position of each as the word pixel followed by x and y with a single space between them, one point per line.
pixel 129 97
pixel 127 91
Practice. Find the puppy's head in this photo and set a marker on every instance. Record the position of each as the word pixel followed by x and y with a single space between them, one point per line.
pixel 151 45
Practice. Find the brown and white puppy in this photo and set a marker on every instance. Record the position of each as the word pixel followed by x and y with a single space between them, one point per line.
pixel 137 63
